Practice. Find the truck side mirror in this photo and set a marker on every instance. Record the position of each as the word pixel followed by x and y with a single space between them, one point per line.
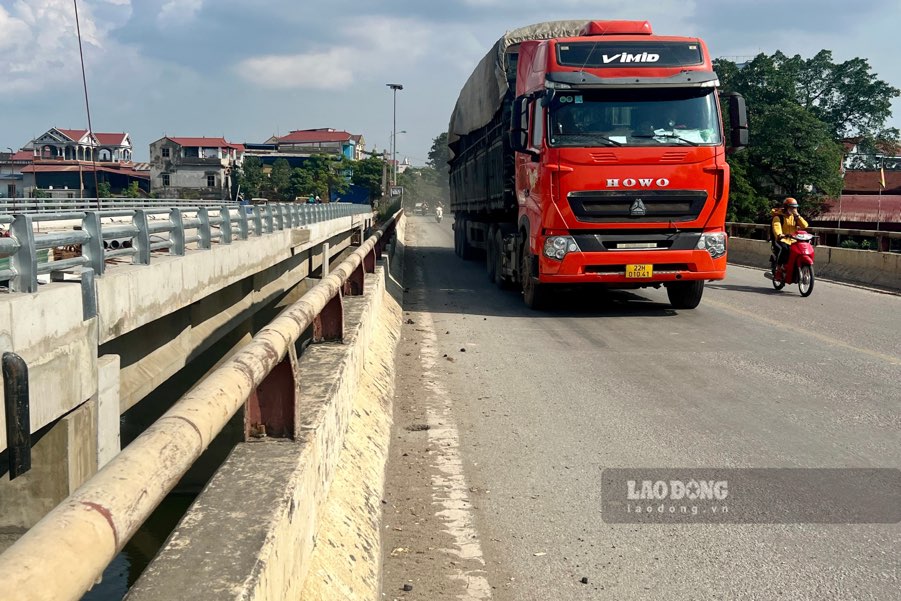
pixel 738 121
pixel 519 127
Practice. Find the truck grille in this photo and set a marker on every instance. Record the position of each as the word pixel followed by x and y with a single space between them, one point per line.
pixel 637 205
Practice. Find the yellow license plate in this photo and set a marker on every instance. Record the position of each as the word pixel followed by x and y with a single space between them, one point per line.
pixel 639 271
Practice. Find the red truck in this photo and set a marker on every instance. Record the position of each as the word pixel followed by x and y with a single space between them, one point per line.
pixel 594 153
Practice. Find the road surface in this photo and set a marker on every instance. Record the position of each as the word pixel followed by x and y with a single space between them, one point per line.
pixel 505 417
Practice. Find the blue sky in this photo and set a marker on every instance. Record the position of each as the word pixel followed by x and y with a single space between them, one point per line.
pixel 249 69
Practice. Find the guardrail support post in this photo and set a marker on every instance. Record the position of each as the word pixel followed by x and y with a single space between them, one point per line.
pixel 92 250
pixel 257 221
pixel 269 411
pixel 18 423
pixel 204 231
pixel 177 233
pixel 243 226
pixel 25 261
pixel 354 286
pixel 142 239
pixel 225 227
pixel 328 326
pixel 326 257
pixel 270 220
pixel 279 218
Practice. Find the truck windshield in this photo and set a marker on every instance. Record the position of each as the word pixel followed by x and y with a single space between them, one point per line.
pixel 635 117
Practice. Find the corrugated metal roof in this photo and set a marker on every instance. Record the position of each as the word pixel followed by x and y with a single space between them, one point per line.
pixel 864 208
pixel 860 181
pixel 311 136
pixel 206 143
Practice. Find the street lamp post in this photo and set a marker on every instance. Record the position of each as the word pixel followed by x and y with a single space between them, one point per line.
pixel 395 87
pixel 394 152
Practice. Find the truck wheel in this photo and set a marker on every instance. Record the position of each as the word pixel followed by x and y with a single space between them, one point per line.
pixel 685 295
pixel 500 279
pixel 491 255
pixel 467 252
pixel 533 293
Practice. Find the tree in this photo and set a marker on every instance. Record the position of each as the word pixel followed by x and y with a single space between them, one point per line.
pixel 103 190
pixel 798 110
pixel 793 154
pixel 132 191
pixel 280 179
pixel 368 174
pixel 250 179
pixel 302 183
pixel 439 154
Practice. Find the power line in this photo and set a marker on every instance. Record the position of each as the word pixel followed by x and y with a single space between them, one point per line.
pixel 87 105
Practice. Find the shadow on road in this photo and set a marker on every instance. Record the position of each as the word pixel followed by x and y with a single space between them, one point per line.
pixel 449 285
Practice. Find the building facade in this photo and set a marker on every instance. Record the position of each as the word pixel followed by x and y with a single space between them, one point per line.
pixel 81 145
pixel 324 140
pixel 194 167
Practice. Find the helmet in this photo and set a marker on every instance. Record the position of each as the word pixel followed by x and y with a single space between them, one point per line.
pixel 790 203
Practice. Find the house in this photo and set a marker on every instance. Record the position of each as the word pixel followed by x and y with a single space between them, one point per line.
pixel 194 167
pixel 82 145
pixel 324 140
pixel 12 181
pixel 859 155
pixel 76 179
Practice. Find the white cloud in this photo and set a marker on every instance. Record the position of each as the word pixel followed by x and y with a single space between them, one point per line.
pixel 178 12
pixel 314 70
pixel 372 47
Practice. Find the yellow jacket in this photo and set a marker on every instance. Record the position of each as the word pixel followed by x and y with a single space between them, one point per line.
pixel 786 225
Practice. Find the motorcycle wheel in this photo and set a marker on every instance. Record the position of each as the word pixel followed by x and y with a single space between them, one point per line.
pixel 778 284
pixel 805 280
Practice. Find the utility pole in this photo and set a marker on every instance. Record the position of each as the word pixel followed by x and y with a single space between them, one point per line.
pixel 395 87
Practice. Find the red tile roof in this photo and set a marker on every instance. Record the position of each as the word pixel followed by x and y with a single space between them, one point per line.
pixel 206 143
pixel 114 139
pixel 73 134
pixel 861 182
pixel 74 167
pixel 864 208
pixel 312 136
pixel 23 156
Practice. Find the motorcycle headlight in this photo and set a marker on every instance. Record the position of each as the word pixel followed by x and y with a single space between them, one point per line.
pixel 714 243
pixel 557 247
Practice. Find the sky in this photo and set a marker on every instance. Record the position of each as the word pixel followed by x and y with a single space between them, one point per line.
pixel 247 69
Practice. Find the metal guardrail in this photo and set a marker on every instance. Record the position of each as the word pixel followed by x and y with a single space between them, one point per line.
pixel 884 240
pixel 65 553
pixel 55 205
pixel 171 229
pixel 765 227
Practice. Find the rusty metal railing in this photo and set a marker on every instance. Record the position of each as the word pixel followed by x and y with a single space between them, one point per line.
pixel 63 555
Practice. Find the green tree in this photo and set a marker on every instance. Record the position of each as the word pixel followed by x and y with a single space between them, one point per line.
pixel 302 183
pixel 250 178
pixel 794 154
pixel 280 179
pixel 132 191
pixel 368 174
pixel 439 153
pixel 103 190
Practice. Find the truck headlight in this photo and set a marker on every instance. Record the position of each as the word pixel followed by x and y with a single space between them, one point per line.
pixel 557 247
pixel 714 243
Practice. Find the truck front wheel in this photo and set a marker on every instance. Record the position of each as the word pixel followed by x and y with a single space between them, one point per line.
pixel 533 293
pixel 685 295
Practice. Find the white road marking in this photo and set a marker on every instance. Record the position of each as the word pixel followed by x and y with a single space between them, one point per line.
pixel 449 489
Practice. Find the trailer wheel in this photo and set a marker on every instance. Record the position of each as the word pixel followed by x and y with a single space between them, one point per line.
pixel 685 295
pixel 491 255
pixel 533 293
pixel 497 243
pixel 467 252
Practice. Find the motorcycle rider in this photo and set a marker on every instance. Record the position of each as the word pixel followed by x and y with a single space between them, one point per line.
pixel 439 212
pixel 786 222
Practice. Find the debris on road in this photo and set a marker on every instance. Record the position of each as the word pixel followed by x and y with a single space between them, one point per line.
pixel 418 427
pixel 408 587
pixel 584 580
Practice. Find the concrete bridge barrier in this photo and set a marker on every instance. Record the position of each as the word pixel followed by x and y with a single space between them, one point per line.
pixel 864 267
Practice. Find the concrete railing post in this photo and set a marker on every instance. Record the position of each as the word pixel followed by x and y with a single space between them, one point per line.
pixel 243 225
pixel 270 220
pixel 325 258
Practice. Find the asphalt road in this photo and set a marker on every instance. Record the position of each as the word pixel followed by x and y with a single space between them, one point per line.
pixel 495 470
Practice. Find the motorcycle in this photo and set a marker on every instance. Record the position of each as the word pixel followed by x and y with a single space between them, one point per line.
pixel 439 212
pixel 798 269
